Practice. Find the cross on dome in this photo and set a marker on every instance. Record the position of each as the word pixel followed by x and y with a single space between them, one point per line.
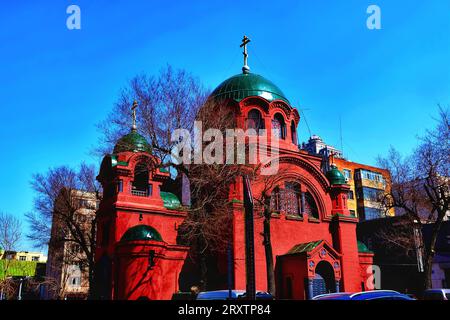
pixel 245 41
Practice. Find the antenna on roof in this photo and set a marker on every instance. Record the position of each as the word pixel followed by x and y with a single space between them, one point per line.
pixel 304 116
pixel 340 131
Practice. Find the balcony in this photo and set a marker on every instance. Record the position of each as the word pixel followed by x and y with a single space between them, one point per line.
pixel 139 193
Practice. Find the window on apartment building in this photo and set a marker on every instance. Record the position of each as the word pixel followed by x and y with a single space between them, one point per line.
pixel 372 213
pixel 351 195
pixel 373 176
pixel 86 204
pixel 348 174
pixel 35 258
pixel 22 258
pixel 353 213
pixel 83 203
pixel 371 194
pixel 75 281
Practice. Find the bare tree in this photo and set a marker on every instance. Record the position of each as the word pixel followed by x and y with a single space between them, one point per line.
pixel 263 199
pixel 420 188
pixel 166 102
pixel 10 237
pixel 175 100
pixel 63 217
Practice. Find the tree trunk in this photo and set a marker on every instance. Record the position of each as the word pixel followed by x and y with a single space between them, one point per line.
pixel 430 251
pixel 203 273
pixel 269 253
pixel 203 264
pixel 92 293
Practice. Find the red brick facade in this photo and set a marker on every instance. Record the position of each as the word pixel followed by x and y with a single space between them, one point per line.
pixel 314 241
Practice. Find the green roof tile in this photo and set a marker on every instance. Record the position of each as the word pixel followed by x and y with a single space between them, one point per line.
pixel 245 85
pixel 133 142
pixel 304 247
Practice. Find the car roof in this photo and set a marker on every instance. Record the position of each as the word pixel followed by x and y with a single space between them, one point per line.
pixel 358 295
pixel 374 294
pixel 438 290
pixel 219 294
pixel 333 296
pixel 224 294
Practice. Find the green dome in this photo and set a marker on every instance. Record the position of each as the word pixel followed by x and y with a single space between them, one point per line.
pixel 245 85
pixel 133 142
pixel 170 200
pixel 363 248
pixel 335 176
pixel 141 232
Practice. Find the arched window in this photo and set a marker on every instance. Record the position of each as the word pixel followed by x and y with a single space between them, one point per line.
pixel 140 186
pixel 275 200
pixel 310 206
pixel 255 121
pixel 293 199
pixel 293 133
pixel 279 126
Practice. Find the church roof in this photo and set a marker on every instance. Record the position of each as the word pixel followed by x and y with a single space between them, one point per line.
pixel 245 85
pixel 304 247
pixel 133 142
pixel 141 232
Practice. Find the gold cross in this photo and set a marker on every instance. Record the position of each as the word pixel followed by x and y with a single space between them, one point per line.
pixel 244 43
pixel 133 110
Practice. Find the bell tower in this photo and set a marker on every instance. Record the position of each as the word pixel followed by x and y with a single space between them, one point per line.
pixel 137 224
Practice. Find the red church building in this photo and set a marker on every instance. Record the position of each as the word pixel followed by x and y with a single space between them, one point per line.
pixel 313 234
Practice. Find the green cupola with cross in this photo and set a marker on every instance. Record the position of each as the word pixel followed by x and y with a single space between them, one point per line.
pixel 247 84
pixel 133 141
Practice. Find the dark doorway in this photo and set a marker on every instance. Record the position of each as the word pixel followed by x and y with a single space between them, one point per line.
pixel 324 281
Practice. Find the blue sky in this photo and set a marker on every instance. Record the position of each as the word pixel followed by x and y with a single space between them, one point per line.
pixel 57 84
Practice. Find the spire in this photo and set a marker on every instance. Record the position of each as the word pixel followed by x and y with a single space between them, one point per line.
pixel 133 110
pixel 245 41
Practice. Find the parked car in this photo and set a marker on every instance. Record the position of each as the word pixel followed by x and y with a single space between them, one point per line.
pixel 235 295
pixel 366 295
pixel 436 294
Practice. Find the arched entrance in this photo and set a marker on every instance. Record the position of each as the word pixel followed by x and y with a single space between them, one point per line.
pixel 324 281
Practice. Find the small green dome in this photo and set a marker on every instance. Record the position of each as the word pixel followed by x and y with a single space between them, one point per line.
pixel 245 85
pixel 170 200
pixel 133 142
pixel 363 248
pixel 335 176
pixel 141 232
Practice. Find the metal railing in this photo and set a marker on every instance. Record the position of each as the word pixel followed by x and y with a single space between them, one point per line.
pixel 139 193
